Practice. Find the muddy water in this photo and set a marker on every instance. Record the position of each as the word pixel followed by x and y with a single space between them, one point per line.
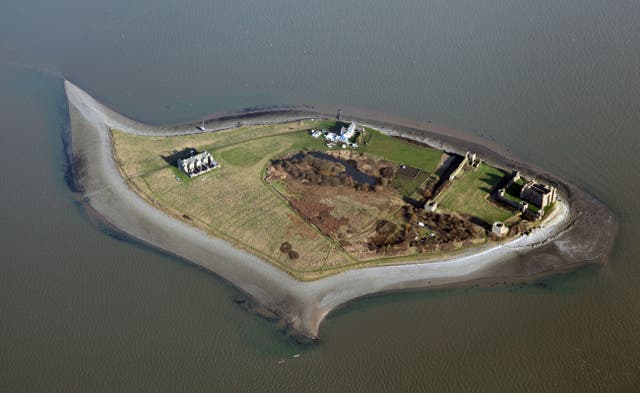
pixel 556 83
pixel 349 168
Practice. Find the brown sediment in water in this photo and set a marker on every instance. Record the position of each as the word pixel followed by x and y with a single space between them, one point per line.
pixel 582 232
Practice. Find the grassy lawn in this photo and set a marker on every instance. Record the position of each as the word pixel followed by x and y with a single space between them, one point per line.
pixel 468 194
pixel 514 190
pixel 512 197
pixel 239 156
pixel 408 185
pixel 364 138
pixel 232 202
pixel 402 152
pixel 549 208
pixel 331 125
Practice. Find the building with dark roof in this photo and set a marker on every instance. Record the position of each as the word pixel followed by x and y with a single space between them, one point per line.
pixel 538 194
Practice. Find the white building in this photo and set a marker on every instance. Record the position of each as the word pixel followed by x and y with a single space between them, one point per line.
pixel 197 164
pixel 499 229
pixel 347 133
pixel 331 137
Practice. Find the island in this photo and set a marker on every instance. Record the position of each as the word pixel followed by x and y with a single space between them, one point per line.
pixel 318 197
pixel 303 211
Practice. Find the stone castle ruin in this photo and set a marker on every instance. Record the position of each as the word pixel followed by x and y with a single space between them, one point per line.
pixel 469 158
pixel 538 194
pixel 473 159
pixel 532 193
pixel 197 164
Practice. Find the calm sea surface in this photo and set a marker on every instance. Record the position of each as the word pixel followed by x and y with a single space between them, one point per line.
pixel 558 83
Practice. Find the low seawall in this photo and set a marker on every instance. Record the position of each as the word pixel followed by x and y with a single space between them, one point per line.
pixel 583 233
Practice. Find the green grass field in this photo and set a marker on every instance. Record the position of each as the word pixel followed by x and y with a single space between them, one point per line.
pixel 469 191
pixel 514 190
pixel 239 156
pixel 406 185
pixel 402 152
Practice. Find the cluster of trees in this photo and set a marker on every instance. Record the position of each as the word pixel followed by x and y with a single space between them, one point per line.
pixel 287 248
pixel 430 188
pixel 319 214
pixel 387 172
pixel 518 229
pixel 321 172
pixel 315 170
pixel 389 237
pixel 445 231
pixel 446 227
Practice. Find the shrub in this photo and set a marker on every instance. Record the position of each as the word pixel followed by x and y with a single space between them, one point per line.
pixel 285 247
pixel 387 172
pixel 385 227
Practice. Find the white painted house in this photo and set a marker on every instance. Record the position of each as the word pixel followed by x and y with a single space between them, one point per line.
pixel 347 133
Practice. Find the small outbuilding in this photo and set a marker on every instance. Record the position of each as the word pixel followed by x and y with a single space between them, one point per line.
pixel 197 164
pixel 431 206
pixel 499 229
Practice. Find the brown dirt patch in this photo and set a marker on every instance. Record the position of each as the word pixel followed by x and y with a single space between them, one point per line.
pixel 319 214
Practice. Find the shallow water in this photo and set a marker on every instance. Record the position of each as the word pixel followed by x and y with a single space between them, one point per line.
pixel 349 168
pixel 558 84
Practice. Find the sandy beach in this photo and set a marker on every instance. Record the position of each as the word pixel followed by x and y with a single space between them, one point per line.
pixel 581 231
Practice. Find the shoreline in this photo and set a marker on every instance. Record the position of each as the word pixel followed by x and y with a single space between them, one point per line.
pixel 576 237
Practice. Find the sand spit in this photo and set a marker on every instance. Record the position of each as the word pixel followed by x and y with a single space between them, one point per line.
pixel 581 232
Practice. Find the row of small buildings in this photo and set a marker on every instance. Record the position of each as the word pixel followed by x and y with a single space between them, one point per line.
pixel 345 135
pixel 197 164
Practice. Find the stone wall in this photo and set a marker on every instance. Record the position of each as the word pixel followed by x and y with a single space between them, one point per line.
pixel 457 170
